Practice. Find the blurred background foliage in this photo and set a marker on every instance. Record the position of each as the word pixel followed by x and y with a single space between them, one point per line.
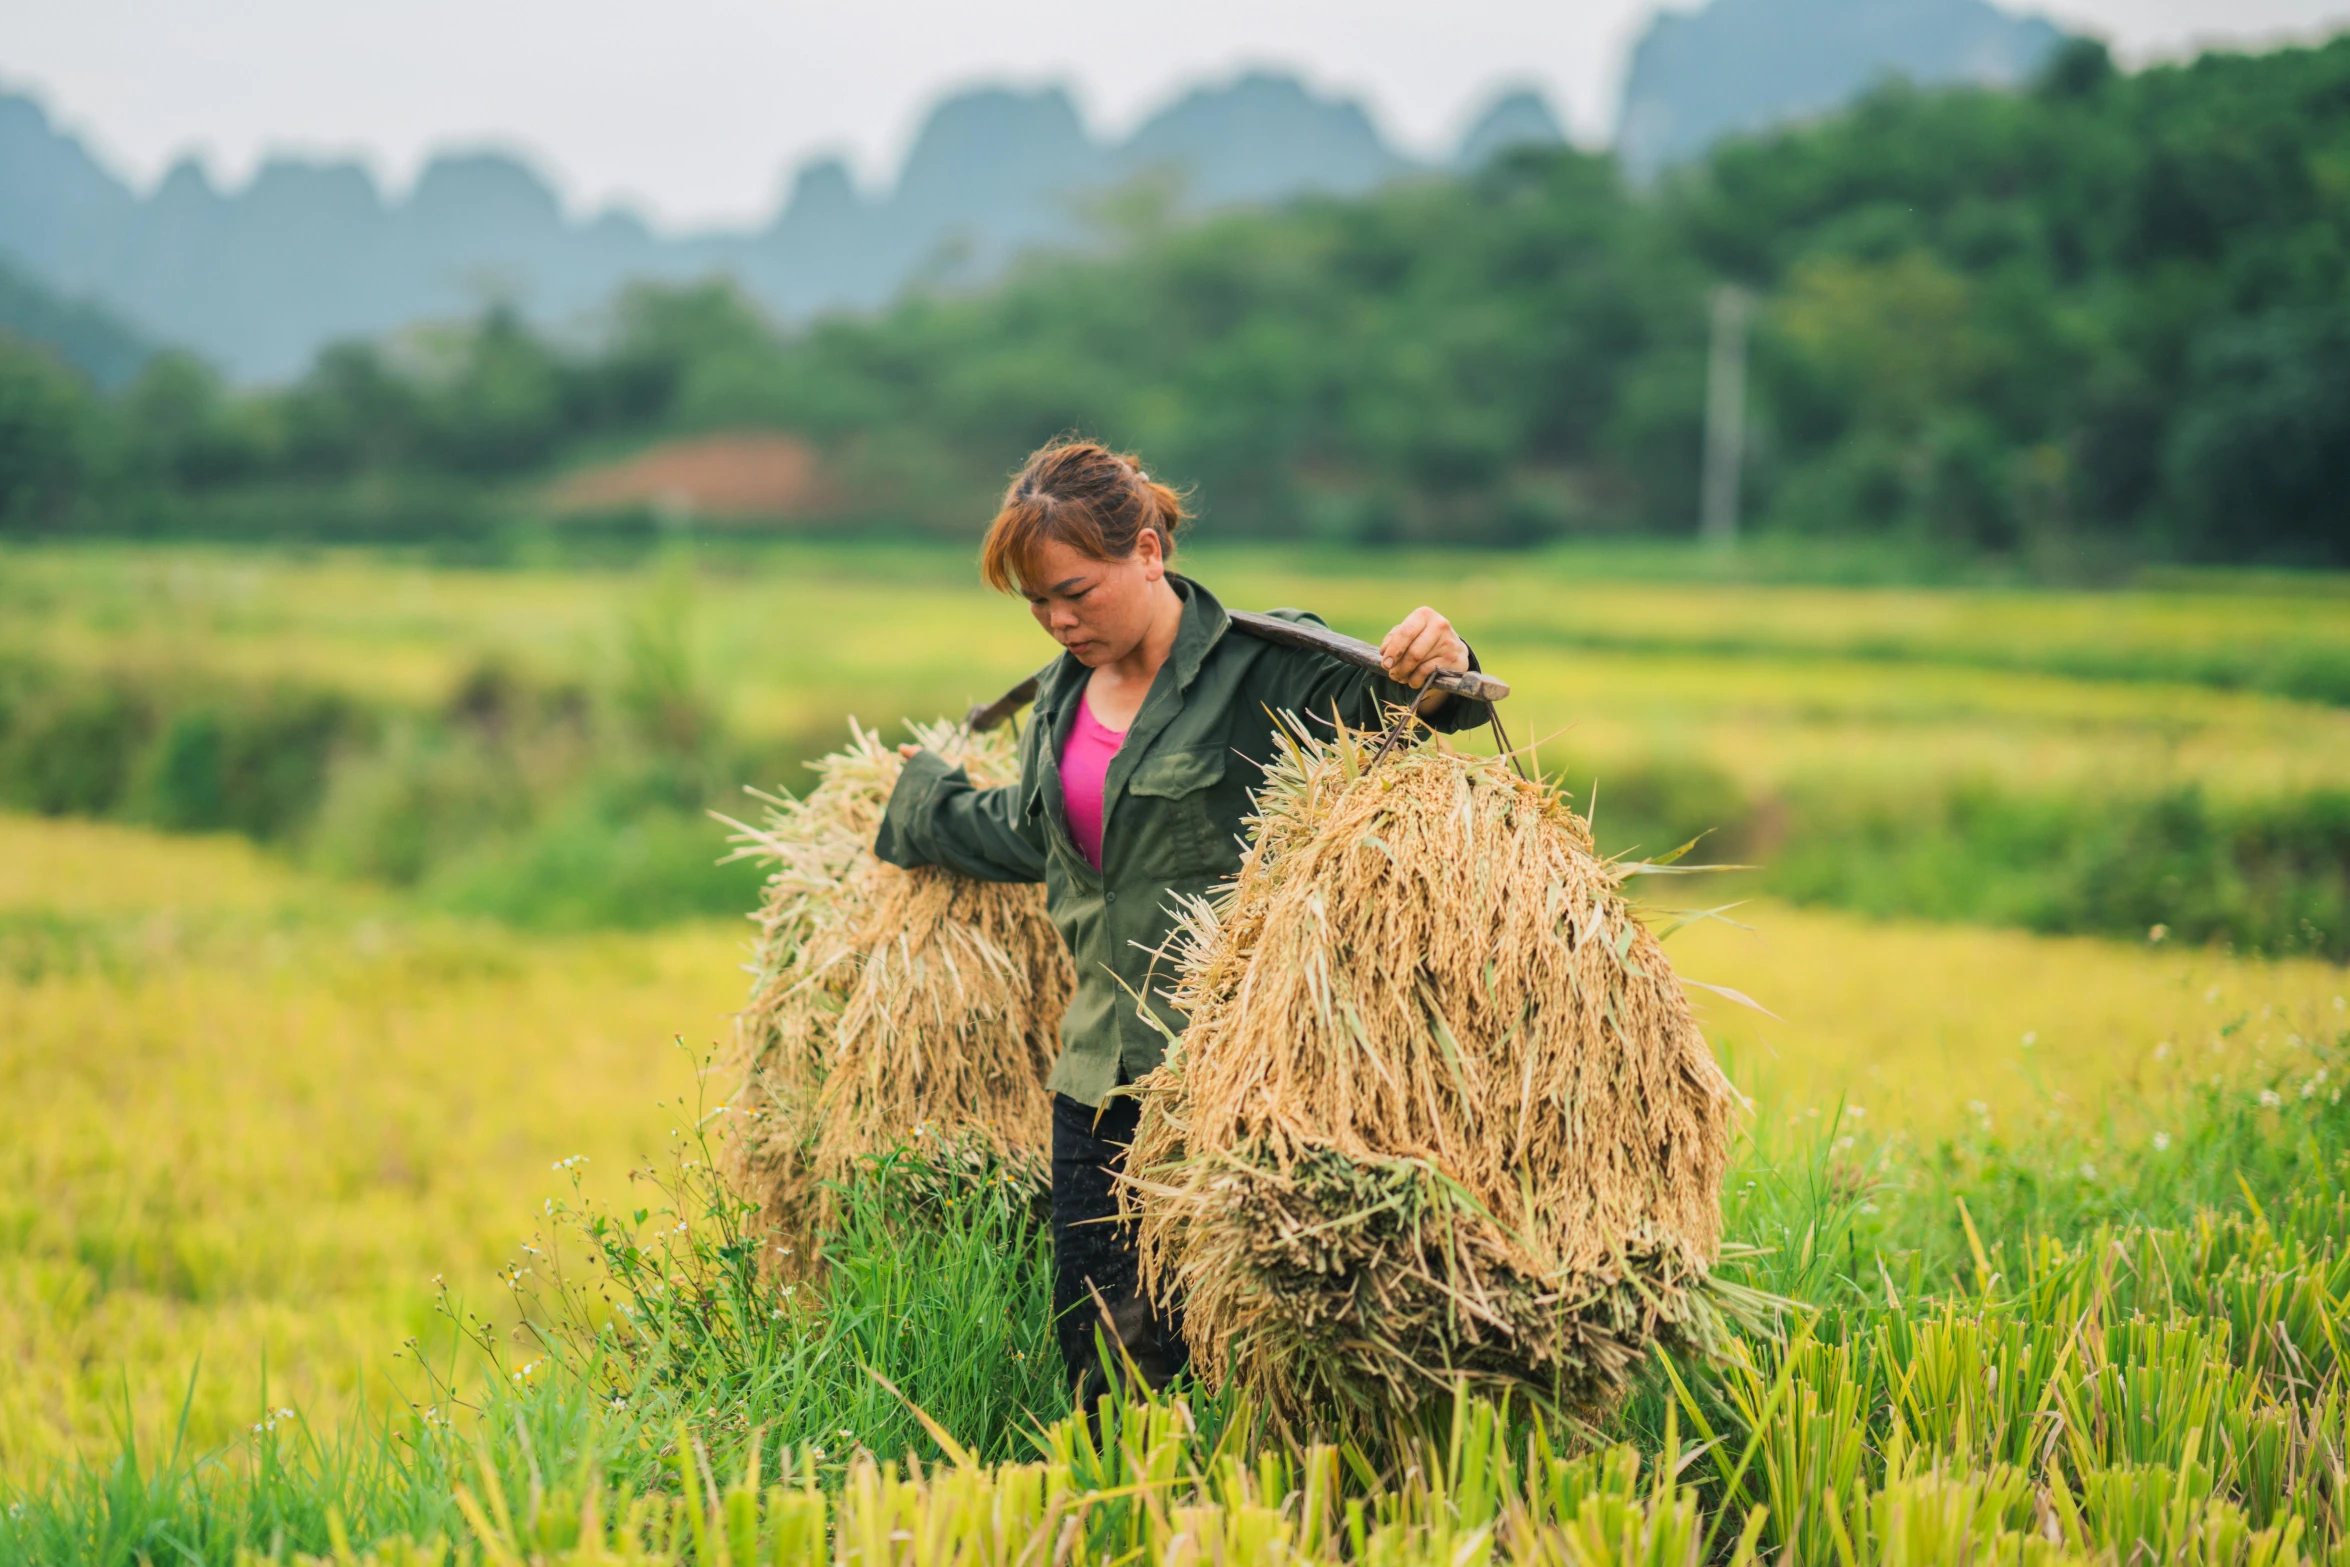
pixel 544 745
pixel 570 801
pixel 2097 322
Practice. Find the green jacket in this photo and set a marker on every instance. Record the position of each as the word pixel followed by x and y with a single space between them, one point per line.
pixel 1173 810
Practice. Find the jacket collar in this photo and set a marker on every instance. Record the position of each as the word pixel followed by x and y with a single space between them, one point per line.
pixel 1204 625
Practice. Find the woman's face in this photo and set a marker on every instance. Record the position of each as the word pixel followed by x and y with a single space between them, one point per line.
pixel 1099 610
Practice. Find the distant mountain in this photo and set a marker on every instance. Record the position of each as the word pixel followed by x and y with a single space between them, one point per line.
pixel 257 279
pixel 81 335
pixel 260 278
pixel 1262 138
pixel 1743 65
pixel 1515 119
pixel 60 204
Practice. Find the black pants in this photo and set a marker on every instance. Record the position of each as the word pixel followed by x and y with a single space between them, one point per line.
pixel 1095 1289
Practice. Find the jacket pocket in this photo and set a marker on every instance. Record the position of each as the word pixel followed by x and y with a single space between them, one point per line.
pixel 1171 775
pixel 1185 841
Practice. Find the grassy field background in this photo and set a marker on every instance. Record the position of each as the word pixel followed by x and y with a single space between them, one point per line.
pixel 2236 680
pixel 272 1110
pixel 277 1102
pixel 2123 691
pixel 542 745
pixel 265 1112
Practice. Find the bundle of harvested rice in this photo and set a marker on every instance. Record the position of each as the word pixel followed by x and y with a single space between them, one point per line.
pixel 1441 1113
pixel 891 1009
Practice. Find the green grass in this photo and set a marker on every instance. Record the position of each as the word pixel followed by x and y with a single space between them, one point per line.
pixel 2104 1338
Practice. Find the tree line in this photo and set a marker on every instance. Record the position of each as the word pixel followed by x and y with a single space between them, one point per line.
pixel 2110 312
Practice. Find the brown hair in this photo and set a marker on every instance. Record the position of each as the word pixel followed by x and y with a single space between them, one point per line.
pixel 1079 493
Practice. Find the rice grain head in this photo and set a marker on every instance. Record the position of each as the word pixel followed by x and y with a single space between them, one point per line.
pixel 890 1009
pixel 1442 1115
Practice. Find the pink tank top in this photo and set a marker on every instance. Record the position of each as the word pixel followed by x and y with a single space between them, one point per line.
pixel 1085 770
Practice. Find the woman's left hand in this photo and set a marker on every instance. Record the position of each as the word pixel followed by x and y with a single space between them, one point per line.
pixel 1423 644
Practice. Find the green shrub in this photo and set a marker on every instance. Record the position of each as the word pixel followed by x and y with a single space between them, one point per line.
pixel 256 763
pixel 422 799
pixel 578 868
pixel 2265 876
pixel 68 748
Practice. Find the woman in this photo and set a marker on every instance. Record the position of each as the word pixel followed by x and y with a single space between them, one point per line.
pixel 1148 733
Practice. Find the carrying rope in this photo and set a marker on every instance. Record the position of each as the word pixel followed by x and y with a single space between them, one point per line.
pixel 1407 719
pixel 1501 740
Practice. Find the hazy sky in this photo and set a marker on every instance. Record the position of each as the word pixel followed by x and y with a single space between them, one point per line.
pixel 692 110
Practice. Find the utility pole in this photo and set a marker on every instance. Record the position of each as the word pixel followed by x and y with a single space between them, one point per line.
pixel 1725 415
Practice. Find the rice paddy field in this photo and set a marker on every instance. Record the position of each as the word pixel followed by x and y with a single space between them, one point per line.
pixel 2058 1205
pixel 2236 683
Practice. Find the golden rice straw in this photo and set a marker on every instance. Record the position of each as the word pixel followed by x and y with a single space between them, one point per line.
pixel 889 1008
pixel 1441 1113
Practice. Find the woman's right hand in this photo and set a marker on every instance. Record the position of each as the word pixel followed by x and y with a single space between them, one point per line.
pixel 909 751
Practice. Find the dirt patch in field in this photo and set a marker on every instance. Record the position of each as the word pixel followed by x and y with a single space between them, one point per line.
pixel 744 476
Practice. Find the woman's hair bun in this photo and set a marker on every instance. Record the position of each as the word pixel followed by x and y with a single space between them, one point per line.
pixel 1081 494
